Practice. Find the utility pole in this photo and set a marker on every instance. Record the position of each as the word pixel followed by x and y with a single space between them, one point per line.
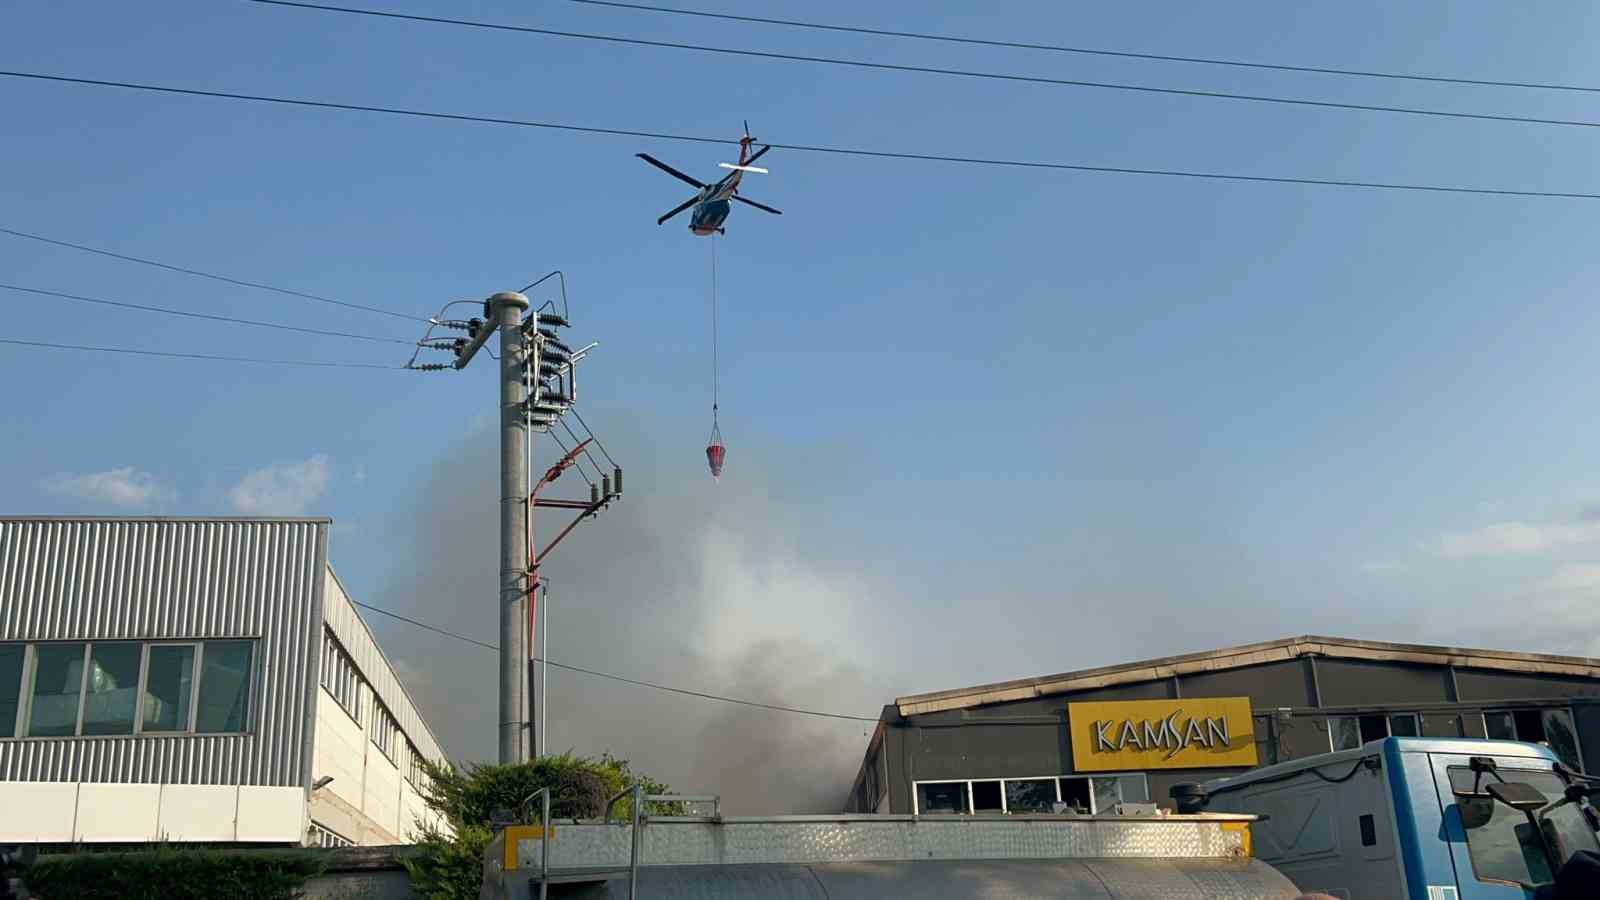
pixel 507 308
pixel 538 385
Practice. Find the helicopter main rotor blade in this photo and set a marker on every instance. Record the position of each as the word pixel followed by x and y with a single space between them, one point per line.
pixel 678 209
pixel 757 155
pixel 776 212
pixel 669 170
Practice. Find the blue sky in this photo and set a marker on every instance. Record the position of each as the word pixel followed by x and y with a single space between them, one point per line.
pixel 975 416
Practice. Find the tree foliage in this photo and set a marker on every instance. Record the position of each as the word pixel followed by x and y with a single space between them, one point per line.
pixel 450 867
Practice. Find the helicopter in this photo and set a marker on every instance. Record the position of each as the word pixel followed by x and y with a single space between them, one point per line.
pixel 711 206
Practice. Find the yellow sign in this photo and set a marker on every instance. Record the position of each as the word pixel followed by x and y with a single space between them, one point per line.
pixel 1134 735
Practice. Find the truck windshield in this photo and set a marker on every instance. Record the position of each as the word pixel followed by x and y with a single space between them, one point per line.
pixel 1501 843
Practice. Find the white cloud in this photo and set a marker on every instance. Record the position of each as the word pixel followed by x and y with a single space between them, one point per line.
pixel 124 487
pixel 1516 538
pixel 359 473
pixel 282 489
pixel 1381 567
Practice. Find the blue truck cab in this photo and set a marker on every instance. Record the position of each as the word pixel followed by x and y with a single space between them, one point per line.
pixel 1416 818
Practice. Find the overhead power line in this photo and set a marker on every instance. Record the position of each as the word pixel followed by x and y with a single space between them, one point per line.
pixel 203 356
pixel 634 681
pixel 803 148
pixel 211 275
pixel 1090 51
pixel 932 70
pixel 196 315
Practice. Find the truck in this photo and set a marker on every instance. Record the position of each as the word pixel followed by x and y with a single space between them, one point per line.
pixel 1140 853
pixel 1420 819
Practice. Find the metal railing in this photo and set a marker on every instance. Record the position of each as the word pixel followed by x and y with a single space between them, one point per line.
pixel 544 837
pixel 640 798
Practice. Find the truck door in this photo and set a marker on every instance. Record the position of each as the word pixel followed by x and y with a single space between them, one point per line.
pixel 1497 854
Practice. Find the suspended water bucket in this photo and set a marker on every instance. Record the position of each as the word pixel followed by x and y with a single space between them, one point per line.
pixel 716 453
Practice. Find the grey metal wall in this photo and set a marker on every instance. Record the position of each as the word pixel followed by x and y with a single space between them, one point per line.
pixel 140 579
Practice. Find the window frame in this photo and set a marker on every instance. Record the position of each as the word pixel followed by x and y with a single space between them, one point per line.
pixel 22 689
pixel 194 686
pixel 1388 725
pixel 916 801
pixel 25 699
pixel 342 678
pixel 1577 741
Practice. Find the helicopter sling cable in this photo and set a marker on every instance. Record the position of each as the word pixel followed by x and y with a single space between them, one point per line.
pixel 716 452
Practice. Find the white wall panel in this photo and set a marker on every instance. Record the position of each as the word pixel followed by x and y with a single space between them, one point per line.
pixel 197 812
pixel 116 813
pixel 37 811
pixel 272 814
pixel 341 751
pixel 382 803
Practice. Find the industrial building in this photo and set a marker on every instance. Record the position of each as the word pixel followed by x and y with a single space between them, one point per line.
pixel 1090 739
pixel 196 680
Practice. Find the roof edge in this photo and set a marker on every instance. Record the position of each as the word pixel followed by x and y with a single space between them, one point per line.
pixel 326 520
pixel 1240 656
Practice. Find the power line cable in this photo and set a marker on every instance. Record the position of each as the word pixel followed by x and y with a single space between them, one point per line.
pixel 196 272
pixel 204 356
pixel 1089 51
pixel 633 681
pixel 802 148
pixel 933 70
pixel 195 315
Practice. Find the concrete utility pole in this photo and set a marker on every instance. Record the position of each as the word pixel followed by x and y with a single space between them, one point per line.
pixel 507 308
pixel 532 359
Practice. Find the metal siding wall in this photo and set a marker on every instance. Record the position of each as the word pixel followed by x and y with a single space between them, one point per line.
pixel 153 579
pixel 1349 682
pixel 1479 686
pixel 357 640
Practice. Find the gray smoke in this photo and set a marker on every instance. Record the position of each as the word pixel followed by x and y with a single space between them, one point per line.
pixel 715 587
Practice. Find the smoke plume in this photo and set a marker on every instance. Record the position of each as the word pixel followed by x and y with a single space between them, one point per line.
pixel 715 587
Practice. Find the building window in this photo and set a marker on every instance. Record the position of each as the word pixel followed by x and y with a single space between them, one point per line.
pixel 384 730
pixel 168 687
pixel 340 677
pixel 1076 796
pixel 1031 795
pixel 57 689
pixel 942 797
pixel 124 687
pixel 224 700
pixel 111 690
pixel 1097 794
pixel 418 772
pixel 1549 726
pixel 11 659
pixel 1351 732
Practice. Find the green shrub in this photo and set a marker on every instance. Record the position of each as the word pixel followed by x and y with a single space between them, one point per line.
pixel 579 787
pixel 169 873
pixel 451 868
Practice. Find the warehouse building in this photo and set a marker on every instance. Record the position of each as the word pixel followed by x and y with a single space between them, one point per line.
pixel 196 680
pixel 1090 739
